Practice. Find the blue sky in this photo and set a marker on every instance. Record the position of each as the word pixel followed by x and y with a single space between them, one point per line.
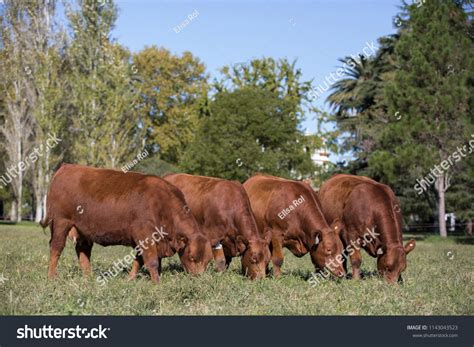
pixel 316 33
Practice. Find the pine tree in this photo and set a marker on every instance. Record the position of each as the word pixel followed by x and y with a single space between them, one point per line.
pixel 430 91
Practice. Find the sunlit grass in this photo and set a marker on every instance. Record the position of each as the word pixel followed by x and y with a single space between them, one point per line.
pixel 439 280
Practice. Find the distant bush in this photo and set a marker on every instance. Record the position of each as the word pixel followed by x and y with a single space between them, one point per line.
pixel 155 166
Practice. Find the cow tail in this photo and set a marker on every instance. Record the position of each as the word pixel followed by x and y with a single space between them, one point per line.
pixel 45 223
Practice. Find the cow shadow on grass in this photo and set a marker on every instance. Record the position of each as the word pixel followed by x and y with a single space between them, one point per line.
pixel 464 240
pixel 365 274
pixel 307 275
pixel 173 267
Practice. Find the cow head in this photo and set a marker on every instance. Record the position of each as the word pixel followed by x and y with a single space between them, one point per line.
pixel 195 252
pixel 193 247
pixel 255 255
pixel 392 261
pixel 327 250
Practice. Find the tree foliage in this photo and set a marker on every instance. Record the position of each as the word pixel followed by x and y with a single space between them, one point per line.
pixel 103 94
pixel 408 109
pixel 247 131
pixel 171 91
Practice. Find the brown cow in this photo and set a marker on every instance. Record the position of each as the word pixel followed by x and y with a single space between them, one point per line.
pixel 364 205
pixel 113 208
pixel 222 210
pixel 292 213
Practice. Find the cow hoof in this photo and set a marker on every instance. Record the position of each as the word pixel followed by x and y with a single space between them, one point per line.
pixel 220 266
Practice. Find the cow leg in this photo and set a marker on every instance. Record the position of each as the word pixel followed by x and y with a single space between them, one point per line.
pixel 228 256
pixel 150 259
pixel 83 251
pixel 356 261
pixel 59 233
pixel 344 264
pixel 344 258
pixel 277 256
pixel 136 266
pixel 228 260
pixel 159 266
pixel 219 259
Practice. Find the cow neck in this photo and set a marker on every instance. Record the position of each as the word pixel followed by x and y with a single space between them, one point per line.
pixel 390 226
pixel 316 219
pixel 247 226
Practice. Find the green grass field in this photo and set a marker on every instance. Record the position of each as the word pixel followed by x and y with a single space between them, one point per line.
pixel 438 281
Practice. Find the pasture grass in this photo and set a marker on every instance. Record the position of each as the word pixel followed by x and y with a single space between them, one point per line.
pixel 438 281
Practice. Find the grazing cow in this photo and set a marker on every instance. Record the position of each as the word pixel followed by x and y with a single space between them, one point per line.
pixel 222 210
pixel 291 212
pixel 364 205
pixel 110 207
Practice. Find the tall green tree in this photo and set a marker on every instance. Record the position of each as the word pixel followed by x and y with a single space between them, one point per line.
pixel 430 90
pixel 387 141
pixel 29 88
pixel 172 90
pixel 103 94
pixel 280 77
pixel 45 67
pixel 277 76
pixel 249 130
pixel 358 100
pixel 285 80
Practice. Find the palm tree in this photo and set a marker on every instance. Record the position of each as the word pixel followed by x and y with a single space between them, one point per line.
pixel 358 99
pixel 355 93
pixel 351 96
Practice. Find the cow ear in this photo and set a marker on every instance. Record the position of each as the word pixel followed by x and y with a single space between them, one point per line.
pixel 409 246
pixel 241 243
pixel 181 241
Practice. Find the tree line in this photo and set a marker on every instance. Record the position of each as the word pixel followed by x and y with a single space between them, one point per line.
pixel 397 113
pixel 75 83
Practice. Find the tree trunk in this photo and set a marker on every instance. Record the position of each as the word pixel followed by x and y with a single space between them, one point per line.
pixel 47 179
pixel 20 196
pixel 38 189
pixel 45 196
pixel 19 179
pixel 18 208
pixel 13 211
pixel 39 209
pixel 440 181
